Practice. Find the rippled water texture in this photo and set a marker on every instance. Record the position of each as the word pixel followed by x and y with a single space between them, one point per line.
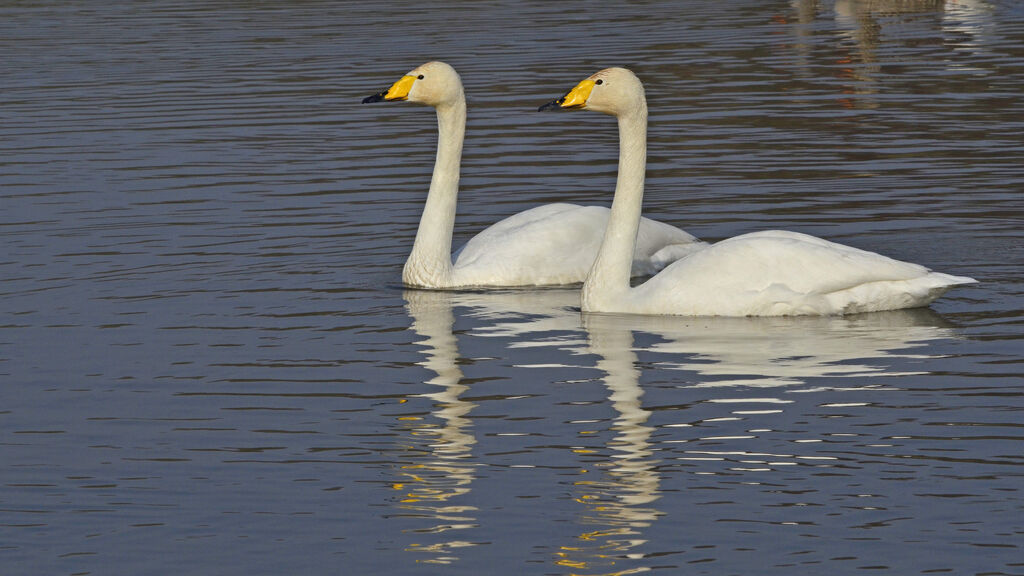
pixel 209 365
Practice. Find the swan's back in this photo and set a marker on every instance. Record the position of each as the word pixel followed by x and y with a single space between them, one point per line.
pixel 778 273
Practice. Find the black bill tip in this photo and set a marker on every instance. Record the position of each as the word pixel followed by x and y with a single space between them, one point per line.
pixel 553 105
pixel 375 98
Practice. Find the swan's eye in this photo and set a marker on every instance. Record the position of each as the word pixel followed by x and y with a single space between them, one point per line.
pixel 598 82
pixel 420 77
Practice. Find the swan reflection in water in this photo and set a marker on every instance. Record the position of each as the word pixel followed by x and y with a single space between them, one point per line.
pixel 618 495
pixel 432 486
pixel 791 351
pixel 619 505
pixel 754 351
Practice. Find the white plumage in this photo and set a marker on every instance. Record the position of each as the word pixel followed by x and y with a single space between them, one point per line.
pixel 547 245
pixel 772 273
pixel 556 244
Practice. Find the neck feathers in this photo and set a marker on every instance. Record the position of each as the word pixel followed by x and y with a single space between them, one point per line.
pixel 430 263
pixel 608 280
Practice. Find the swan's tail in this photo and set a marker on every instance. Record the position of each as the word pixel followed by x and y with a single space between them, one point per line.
pixel 949 280
pixel 894 294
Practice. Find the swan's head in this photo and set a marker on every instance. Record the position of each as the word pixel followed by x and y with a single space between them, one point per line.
pixel 615 91
pixel 434 84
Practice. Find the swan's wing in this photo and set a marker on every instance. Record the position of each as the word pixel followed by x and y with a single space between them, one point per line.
pixel 557 244
pixel 800 262
pixel 549 244
pixel 776 272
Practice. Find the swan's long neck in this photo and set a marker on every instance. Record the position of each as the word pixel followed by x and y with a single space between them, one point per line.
pixel 609 277
pixel 430 263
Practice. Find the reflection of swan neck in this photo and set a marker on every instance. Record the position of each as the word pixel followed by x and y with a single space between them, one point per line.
pixel 636 481
pixel 609 276
pixel 430 263
pixel 433 319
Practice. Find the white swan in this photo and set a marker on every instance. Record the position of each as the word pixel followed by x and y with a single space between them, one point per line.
pixel 772 273
pixel 547 245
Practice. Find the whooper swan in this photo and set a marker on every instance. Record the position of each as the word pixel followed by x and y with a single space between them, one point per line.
pixel 547 245
pixel 771 273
